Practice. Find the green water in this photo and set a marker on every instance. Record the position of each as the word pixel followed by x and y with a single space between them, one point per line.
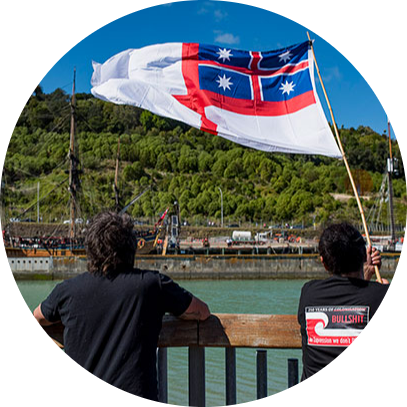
pixel 242 296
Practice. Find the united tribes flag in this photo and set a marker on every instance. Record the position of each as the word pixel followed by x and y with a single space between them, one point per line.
pixel 265 100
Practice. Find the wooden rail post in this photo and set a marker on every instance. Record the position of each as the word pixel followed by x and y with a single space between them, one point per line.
pixel 196 368
pixel 261 364
pixel 162 375
pixel 292 372
pixel 230 362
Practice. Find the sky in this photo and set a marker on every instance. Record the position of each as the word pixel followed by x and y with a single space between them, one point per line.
pixel 230 25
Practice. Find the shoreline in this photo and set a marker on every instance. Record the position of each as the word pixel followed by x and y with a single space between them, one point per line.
pixel 196 267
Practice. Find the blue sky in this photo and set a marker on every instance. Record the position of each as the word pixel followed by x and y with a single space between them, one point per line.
pixel 229 25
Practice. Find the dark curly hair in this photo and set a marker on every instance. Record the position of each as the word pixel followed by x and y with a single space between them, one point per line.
pixel 110 243
pixel 342 248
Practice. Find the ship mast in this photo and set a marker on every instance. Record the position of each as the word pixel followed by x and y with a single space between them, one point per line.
pixel 390 170
pixel 116 177
pixel 73 172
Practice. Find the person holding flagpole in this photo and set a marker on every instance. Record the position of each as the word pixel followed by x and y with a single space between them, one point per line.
pixel 333 312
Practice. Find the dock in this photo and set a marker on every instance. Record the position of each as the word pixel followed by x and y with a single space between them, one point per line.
pixel 216 246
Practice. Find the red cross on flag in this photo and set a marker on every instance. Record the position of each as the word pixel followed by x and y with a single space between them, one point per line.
pixel 264 100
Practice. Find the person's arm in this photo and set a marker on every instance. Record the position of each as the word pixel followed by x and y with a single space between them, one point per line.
pixel 373 259
pixel 40 317
pixel 197 310
pixel 180 302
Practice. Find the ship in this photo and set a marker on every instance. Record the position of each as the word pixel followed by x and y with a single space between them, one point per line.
pixel 387 242
pixel 21 240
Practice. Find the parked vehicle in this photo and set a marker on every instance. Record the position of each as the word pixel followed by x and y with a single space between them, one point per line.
pixel 241 236
pixel 263 237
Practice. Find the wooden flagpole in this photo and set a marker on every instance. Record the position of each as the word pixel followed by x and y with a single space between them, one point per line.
pixel 355 191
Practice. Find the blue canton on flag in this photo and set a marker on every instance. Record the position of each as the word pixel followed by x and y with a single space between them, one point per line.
pixel 281 75
pixel 269 83
pixel 265 100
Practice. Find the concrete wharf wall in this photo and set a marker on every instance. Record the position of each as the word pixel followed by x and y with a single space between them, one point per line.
pixel 195 267
pixel 246 266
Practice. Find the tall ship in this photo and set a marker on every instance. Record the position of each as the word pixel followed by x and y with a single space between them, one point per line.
pixel 34 239
pixel 381 215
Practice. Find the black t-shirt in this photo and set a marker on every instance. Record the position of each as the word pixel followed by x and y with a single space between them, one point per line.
pixel 332 313
pixel 112 325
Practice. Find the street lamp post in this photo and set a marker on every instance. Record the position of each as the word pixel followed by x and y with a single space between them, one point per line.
pixel 221 207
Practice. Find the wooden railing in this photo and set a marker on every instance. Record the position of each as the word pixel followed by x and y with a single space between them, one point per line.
pixel 229 331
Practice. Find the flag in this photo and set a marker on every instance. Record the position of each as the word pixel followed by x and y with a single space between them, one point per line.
pixel 264 100
pixel 162 217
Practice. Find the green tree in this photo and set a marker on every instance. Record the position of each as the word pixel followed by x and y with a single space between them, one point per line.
pixel 133 172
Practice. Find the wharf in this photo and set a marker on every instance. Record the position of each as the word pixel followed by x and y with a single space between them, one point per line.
pixel 220 246
pixel 196 267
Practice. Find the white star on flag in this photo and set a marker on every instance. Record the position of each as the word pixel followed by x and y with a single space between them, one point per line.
pixel 224 54
pixel 285 56
pixel 287 87
pixel 224 82
pixel 189 82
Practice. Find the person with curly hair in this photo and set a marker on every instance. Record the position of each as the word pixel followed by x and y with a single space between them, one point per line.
pixel 112 314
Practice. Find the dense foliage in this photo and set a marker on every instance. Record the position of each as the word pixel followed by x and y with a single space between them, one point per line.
pixel 181 164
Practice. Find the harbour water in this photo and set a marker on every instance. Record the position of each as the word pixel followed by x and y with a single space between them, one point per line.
pixel 223 296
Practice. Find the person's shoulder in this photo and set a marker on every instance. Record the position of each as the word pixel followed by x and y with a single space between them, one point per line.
pixel 137 272
pixel 79 279
pixel 307 295
pixel 317 285
pixel 307 289
pixel 143 275
pixel 311 284
pixel 167 283
pixel 70 285
pixel 146 273
pixel 378 287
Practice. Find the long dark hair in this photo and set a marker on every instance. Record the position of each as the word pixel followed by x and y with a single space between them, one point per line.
pixel 110 243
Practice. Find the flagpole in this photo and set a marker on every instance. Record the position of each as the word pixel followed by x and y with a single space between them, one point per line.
pixel 355 191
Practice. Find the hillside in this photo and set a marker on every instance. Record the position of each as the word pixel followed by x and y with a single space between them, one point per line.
pixel 181 164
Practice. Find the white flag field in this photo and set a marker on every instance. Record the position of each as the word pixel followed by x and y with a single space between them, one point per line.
pixel 264 100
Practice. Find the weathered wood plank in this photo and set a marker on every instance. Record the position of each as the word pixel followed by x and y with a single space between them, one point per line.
pixel 177 332
pixel 250 331
pixel 223 330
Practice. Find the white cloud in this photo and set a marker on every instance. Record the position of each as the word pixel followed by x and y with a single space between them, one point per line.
pixel 331 74
pixel 227 38
pixel 219 15
pixel 202 10
pixel 205 7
